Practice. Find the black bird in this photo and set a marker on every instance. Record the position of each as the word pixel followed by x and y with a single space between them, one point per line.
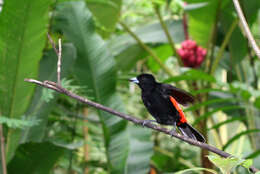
pixel 162 100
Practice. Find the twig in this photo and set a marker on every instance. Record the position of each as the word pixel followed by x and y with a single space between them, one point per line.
pixel 53 44
pixel 56 87
pixel 246 28
pixel 146 48
pixel 58 53
pixel 59 63
pixel 3 159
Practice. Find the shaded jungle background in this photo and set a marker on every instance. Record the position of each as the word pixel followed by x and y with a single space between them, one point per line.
pixel 196 45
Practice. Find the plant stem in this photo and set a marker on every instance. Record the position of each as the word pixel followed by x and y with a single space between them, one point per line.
pixel 170 154
pixel 3 159
pixel 73 133
pixel 185 26
pixel 212 40
pixel 252 64
pixel 217 137
pixel 86 146
pixel 209 59
pixel 223 46
pixel 166 31
pixel 146 48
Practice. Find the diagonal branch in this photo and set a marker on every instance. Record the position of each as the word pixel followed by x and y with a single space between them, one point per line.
pixel 56 87
pixel 246 28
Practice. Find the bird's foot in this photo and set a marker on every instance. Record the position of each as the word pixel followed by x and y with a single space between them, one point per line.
pixel 173 131
pixel 147 121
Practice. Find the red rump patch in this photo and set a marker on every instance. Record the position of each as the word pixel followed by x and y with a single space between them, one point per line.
pixel 182 116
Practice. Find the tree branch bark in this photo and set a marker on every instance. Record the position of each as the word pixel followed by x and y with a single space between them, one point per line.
pixel 56 87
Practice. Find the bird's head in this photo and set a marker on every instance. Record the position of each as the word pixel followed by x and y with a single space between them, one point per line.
pixel 144 81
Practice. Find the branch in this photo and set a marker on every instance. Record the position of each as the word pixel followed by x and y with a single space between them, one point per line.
pixel 246 28
pixel 53 44
pixel 58 53
pixel 59 63
pixel 56 87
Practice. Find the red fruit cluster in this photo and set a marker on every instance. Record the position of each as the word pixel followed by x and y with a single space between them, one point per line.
pixel 191 54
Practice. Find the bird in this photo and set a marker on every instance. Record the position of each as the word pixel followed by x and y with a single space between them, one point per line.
pixel 162 102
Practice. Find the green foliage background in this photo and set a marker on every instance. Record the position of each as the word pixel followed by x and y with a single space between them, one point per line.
pixel 104 43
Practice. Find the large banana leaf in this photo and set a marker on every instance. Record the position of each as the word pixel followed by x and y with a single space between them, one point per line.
pixel 110 11
pixel 149 34
pixel 95 69
pixel 35 158
pixel 22 38
pixel 238 43
pixel 201 20
pixel 127 52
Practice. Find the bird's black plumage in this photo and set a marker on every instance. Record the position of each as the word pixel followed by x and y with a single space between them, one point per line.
pixel 161 100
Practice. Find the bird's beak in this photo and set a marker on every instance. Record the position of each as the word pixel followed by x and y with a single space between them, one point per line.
pixel 134 80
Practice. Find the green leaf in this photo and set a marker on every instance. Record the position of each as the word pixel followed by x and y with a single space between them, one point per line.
pixel 149 34
pixel 105 11
pixel 238 43
pixel 22 39
pixel 250 10
pixel 218 125
pixel 35 158
pixel 128 52
pixel 164 51
pixel 39 109
pixel 141 149
pixel 207 103
pixel 225 164
pixel 192 74
pixel 201 21
pixel 127 59
pixel 253 154
pixel 15 123
pixel 196 169
pixel 210 113
pixel 207 90
pixel 47 95
pixel 257 102
pixel 95 69
pixel 247 163
pixel 195 6
pixel 234 138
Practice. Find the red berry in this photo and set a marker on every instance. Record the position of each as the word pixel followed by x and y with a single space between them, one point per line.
pixel 191 54
pixel 181 52
pixel 191 44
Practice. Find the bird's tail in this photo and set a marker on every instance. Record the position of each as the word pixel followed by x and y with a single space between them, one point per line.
pixel 191 132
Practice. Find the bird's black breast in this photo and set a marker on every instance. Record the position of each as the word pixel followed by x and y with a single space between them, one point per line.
pixel 160 107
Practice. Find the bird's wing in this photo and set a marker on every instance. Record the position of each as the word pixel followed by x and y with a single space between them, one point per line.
pixel 181 96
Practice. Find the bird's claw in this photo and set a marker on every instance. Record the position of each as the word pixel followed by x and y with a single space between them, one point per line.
pixel 172 131
pixel 147 121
